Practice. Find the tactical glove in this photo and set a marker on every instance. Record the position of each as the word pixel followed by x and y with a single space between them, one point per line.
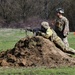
pixel 38 33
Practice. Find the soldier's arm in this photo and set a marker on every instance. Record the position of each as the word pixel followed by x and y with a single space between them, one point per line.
pixel 66 28
pixel 47 34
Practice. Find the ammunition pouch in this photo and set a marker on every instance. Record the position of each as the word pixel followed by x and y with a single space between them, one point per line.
pixel 58 24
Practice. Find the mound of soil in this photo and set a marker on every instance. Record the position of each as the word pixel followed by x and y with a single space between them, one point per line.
pixel 35 51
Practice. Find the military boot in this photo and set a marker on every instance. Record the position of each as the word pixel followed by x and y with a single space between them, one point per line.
pixel 70 50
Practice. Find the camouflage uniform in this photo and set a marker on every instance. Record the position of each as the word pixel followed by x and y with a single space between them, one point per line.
pixel 62 29
pixel 49 33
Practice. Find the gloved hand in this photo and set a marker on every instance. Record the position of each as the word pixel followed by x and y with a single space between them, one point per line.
pixel 65 33
pixel 64 36
pixel 38 33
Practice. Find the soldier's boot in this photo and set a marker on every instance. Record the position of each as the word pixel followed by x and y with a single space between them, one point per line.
pixel 72 50
pixel 60 43
pixel 69 50
pixel 70 55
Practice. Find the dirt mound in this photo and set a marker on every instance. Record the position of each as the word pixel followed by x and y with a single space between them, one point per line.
pixel 35 51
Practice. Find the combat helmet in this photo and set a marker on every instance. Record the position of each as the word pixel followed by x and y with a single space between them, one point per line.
pixel 45 25
pixel 60 10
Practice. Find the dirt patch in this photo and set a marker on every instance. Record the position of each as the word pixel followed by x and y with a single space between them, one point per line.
pixel 35 51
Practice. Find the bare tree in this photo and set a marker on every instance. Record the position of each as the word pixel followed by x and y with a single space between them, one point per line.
pixel 17 10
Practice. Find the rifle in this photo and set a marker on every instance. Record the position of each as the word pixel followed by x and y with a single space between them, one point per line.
pixel 34 31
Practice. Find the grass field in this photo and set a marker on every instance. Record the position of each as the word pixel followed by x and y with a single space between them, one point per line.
pixel 37 71
pixel 71 39
pixel 8 38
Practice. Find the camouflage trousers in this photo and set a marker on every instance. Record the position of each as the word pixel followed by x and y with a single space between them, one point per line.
pixel 65 40
pixel 59 43
pixel 65 48
pixel 70 50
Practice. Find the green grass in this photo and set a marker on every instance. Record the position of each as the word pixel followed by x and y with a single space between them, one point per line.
pixel 8 38
pixel 37 71
pixel 71 39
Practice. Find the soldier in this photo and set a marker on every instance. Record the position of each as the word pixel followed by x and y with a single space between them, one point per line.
pixel 50 34
pixel 62 26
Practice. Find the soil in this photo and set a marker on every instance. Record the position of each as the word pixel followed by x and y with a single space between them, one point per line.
pixel 35 51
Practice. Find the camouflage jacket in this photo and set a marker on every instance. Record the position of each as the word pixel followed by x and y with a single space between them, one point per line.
pixel 62 26
pixel 50 34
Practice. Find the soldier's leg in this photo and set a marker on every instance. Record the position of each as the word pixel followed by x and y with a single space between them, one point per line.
pixel 59 43
pixel 70 50
pixel 65 40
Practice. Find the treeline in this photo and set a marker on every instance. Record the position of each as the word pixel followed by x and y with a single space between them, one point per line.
pixel 14 13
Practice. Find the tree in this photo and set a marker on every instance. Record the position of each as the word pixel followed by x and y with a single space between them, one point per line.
pixel 17 10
